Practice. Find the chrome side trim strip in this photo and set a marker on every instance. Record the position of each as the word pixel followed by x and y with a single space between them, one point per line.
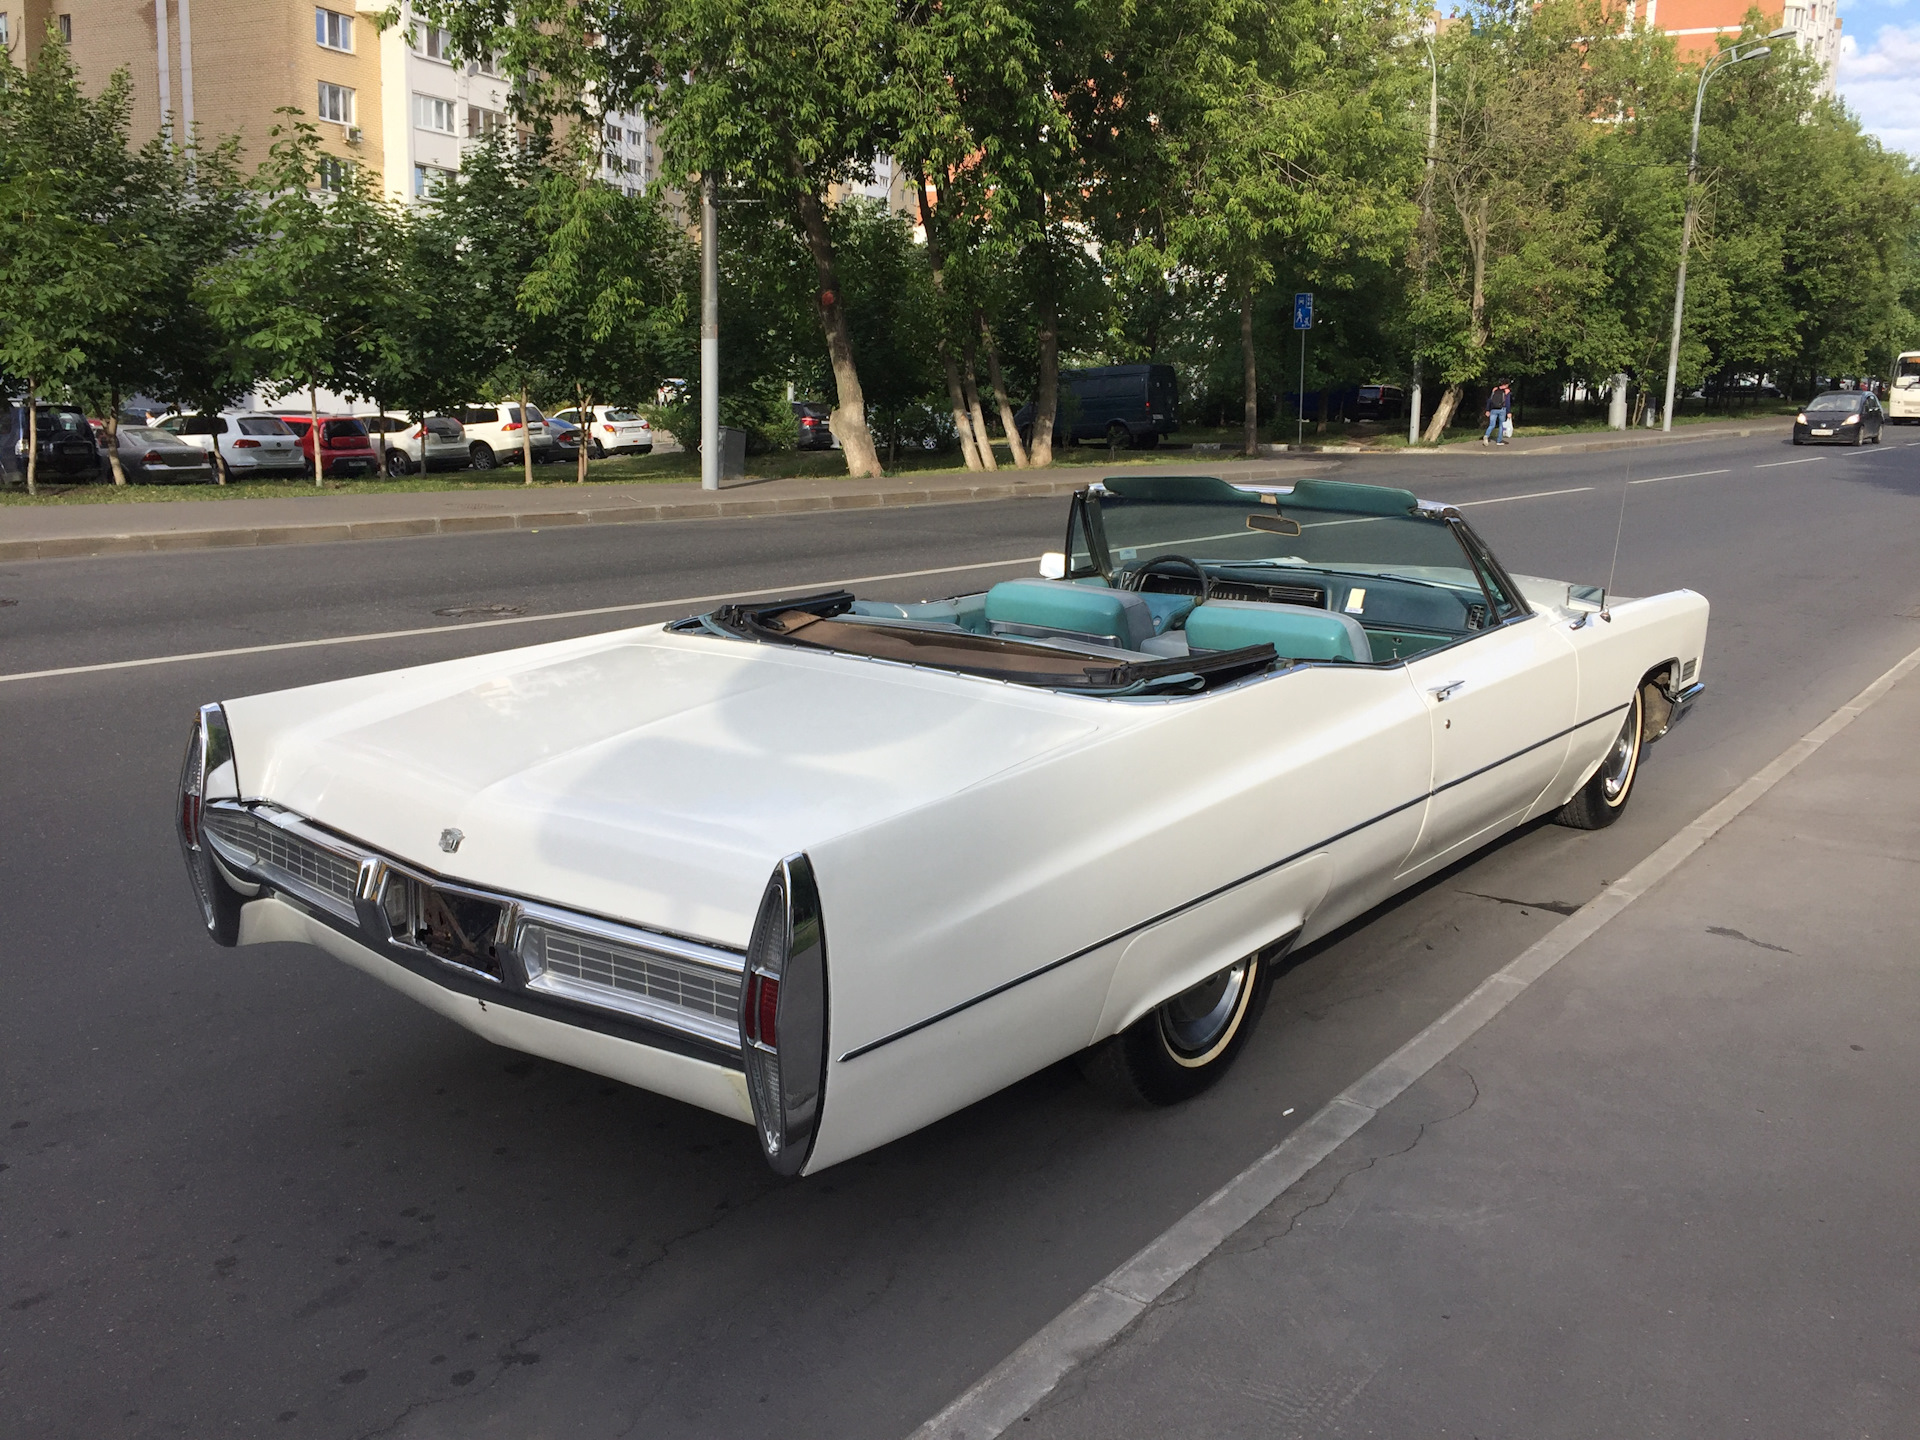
pixel 1218 890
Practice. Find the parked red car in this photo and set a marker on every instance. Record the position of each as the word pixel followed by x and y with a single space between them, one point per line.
pixel 344 446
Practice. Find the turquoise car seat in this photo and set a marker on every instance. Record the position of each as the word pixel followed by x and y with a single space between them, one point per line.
pixel 1058 608
pixel 1296 632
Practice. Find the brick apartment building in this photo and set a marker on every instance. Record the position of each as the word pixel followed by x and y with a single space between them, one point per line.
pixel 1702 26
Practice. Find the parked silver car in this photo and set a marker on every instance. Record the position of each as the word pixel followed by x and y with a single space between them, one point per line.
pixel 152 456
pixel 246 444
pixel 444 439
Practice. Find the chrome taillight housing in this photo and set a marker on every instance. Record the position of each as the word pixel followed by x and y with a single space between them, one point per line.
pixel 783 1016
pixel 208 774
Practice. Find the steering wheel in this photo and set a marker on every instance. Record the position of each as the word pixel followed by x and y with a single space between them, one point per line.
pixel 1138 580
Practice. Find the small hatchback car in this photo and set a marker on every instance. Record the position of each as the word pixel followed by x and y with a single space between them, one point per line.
pixel 443 437
pixel 244 445
pixel 611 430
pixel 1839 417
pixel 344 446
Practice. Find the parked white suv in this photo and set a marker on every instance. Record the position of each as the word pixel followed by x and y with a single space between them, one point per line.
pixel 245 444
pixel 611 430
pixel 445 438
pixel 496 433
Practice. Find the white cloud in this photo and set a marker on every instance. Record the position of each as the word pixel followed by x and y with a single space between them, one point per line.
pixel 1882 85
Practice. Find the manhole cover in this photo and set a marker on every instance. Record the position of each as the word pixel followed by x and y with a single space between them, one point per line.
pixel 477 612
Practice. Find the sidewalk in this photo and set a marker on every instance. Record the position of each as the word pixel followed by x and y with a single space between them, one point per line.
pixel 59 531
pixel 1672 1189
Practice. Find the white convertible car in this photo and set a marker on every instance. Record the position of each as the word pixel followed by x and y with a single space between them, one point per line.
pixel 837 868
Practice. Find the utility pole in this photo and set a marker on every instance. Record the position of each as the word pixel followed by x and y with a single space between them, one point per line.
pixel 1732 55
pixel 709 335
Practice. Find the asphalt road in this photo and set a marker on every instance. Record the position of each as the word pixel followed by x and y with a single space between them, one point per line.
pixel 256 1193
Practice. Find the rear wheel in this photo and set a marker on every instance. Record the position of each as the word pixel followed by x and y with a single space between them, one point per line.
pixel 596 451
pixel 1119 437
pixel 1185 1044
pixel 398 463
pixel 1605 795
pixel 480 455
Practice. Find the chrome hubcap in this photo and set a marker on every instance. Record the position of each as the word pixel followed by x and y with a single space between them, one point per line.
pixel 1195 1020
pixel 1619 767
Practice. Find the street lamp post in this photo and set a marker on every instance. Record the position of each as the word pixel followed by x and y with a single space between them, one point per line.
pixel 709 335
pixel 1732 55
pixel 1426 226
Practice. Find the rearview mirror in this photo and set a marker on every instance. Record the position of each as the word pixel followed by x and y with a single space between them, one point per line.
pixel 1053 566
pixel 1273 524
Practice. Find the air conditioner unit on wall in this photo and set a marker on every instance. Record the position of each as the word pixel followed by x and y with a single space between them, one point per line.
pixel 354 135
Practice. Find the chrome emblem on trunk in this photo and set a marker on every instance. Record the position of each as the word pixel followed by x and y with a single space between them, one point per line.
pixel 450 840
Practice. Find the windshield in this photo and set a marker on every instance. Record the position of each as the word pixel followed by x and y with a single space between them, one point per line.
pixel 1341 530
pixel 533 414
pixel 142 437
pixel 622 417
pixel 1909 371
pixel 263 425
pixel 1840 400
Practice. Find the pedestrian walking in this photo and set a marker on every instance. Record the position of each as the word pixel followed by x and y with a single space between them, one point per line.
pixel 1499 404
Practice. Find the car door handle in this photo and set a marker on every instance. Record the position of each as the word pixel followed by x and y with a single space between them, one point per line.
pixel 1447 692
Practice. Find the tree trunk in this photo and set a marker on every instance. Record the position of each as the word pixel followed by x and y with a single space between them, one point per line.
pixel 971 384
pixel 313 419
pixel 1040 448
pixel 113 445
pixel 972 442
pixel 33 437
pixel 849 419
pixel 1000 395
pixel 380 441
pixel 1443 415
pixel 526 438
pixel 1249 378
pixel 585 402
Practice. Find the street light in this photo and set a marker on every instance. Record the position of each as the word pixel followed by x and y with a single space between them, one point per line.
pixel 1732 55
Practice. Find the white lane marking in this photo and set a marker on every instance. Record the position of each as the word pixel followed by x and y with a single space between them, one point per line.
pixel 793 586
pixel 1807 461
pixel 1530 495
pixel 996 1401
pixel 1690 475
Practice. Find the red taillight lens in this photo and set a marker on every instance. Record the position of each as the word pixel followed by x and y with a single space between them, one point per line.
pixel 511 425
pixel 611 429
pixel 767 1006
pixel 152 457
pixel 246 444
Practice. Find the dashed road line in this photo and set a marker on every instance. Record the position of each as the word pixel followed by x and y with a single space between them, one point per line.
pixel 1690 475
pixel 1807 460
pixel 1530 495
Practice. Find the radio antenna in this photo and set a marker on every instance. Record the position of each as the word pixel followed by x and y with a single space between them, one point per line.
pixel 1620 524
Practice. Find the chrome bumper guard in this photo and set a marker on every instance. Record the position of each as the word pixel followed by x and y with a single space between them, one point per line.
pixel 645 984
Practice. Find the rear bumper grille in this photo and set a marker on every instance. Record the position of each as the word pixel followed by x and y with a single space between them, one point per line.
pixel 442 929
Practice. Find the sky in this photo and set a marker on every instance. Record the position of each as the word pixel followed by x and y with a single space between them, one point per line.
pixel 1880 69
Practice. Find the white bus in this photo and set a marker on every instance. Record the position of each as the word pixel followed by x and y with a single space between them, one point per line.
pixel 1903 396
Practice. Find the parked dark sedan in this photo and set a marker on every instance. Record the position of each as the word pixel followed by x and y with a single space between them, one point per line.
pixel 153 457
pixel 1839 417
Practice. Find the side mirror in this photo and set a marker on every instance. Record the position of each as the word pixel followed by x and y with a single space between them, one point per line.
pixel 1053 566
pixel 1586 597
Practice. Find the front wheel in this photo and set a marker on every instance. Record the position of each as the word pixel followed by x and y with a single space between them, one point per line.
pixel 1606 793
pixel 480 455
pixel 1185 1044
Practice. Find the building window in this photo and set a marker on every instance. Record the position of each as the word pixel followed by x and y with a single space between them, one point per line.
pixel 333 30
pixel 482 122
pixel 6 35
pixel 429 180
pixel 430 112
pixel 336 103
pixel 437 44
pixel 634 137
pixel 333 172
pixel 65 23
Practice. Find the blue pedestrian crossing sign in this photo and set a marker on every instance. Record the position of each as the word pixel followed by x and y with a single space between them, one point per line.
pixel 1303 310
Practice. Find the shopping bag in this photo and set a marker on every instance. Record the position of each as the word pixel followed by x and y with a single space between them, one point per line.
pixel 1506 427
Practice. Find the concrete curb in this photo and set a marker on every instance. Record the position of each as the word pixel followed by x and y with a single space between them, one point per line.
pixel 78 546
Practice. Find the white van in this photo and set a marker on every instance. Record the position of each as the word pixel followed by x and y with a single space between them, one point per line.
pixel 1903 396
